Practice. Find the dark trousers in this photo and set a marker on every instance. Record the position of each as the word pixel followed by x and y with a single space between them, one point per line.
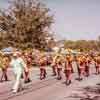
pixel 4 74
pixel 54 70
pixel 97 70
pixel 27 79
pixel 42 73
pixel 59 73
pixel 87 71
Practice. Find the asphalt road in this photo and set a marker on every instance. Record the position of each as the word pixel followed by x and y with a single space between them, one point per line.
pixel 51 88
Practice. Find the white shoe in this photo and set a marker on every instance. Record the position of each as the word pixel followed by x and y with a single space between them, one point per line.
pixel 14 91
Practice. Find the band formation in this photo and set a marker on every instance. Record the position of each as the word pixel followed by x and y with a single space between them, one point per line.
pixel 21 62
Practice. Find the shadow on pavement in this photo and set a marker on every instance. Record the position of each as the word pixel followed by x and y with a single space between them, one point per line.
pixel 87 93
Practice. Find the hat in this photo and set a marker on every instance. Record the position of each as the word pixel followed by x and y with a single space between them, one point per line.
pixel 15 54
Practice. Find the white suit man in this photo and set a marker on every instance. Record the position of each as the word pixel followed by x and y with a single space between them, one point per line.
pixel 18 65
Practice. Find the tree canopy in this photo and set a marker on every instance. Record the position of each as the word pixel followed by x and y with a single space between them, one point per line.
pixel 26 22
pixel 83 45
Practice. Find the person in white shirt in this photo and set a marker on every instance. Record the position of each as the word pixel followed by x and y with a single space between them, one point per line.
pixel 18 65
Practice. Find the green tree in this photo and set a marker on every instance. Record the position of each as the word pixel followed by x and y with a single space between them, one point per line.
pixel 83 45
pixel 99 42
pixel 26 22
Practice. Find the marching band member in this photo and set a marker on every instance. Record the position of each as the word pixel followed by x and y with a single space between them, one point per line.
pixel 87 65
pixel 28 61
pixel 54 65
pixel 42 63
pixel 4 67
pixel 97 64
pixel 81 66
pixel 68 69
pixel 59 67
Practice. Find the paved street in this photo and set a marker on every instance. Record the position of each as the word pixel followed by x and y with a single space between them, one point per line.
pixel 51 89
pixel 42 38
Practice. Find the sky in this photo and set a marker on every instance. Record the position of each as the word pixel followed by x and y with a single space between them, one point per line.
pixel 73 19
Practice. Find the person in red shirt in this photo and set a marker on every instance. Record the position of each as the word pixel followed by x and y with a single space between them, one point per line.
pixel 81 66
pixel 28 61
pixel 87 65
pixel 54 65
pixel 59 67
pixel 42 64
pixel 68 69
pixel 97 64
pixel 4 67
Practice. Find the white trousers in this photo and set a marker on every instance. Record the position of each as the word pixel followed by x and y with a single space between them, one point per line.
pixel 18 83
